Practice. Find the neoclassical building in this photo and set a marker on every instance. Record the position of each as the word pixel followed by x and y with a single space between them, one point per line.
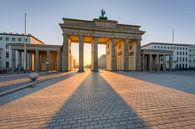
pixel 123 51
pixel 122 42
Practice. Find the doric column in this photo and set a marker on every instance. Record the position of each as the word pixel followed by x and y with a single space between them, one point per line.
pixel 150 62
pixel 138 55
pixel 65 53
pixel 48 61
pixel 81 54
pixel 143 62
pixel 13 60
pixel 25 58
pixel 58 61
pixel 157 62
pixel 94 54
pixel 30 60
pixel 126 55
pixel 113 54
pixel 170 62
pixel 164 63
pixel 36 61
pixel 19 58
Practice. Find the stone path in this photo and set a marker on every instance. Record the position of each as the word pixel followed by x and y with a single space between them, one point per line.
pixel 7 84
pixel 182 81
pixel 104 100
pixel 36 109
pixel 156 105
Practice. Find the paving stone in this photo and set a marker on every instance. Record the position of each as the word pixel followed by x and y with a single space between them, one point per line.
pixel 104 100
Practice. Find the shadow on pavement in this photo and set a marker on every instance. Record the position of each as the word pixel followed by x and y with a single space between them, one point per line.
pixel 95 104
pixel 18 94
pixel 181 83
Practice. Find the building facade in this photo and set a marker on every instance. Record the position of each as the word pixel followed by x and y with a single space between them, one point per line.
pixel 122 42
pixel 5 51
pixel 192 56
pixel 123 50
pixel 183 54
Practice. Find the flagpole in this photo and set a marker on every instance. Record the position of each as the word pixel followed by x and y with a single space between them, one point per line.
pixel 25 54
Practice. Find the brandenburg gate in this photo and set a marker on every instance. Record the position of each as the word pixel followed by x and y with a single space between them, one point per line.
pixel 122 42
pixel 123 51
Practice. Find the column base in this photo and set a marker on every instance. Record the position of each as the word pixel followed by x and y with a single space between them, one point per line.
pixel 95 70
pixel 81 71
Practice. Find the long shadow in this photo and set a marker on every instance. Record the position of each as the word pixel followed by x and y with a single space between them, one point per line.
pixel 21 93
pixel 95 105
pixel 164 79
pixel 12 86
pixel 19 76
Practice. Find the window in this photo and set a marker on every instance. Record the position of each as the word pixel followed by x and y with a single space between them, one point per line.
pixel 7 38
pixel 7 64
pixel 7 54
pixel 154 46
pixel 1 38
pixel 7 46
pixel 13 39
pixel 19 39
pixel 25 40
pixel 119 46
pixel 130 47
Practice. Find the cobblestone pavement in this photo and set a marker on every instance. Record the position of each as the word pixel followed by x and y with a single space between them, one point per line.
pixel 35 109
pixel 183 81
pixel 7 84
pixel 156 105
pixel 103 100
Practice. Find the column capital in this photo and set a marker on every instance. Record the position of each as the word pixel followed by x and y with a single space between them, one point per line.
pixel 81 37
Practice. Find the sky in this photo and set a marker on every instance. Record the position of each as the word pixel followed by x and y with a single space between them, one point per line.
pixel 156 17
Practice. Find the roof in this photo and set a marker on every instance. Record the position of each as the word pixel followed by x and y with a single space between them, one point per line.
pixel 161 43
pixel 156 51
pixel 21 34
